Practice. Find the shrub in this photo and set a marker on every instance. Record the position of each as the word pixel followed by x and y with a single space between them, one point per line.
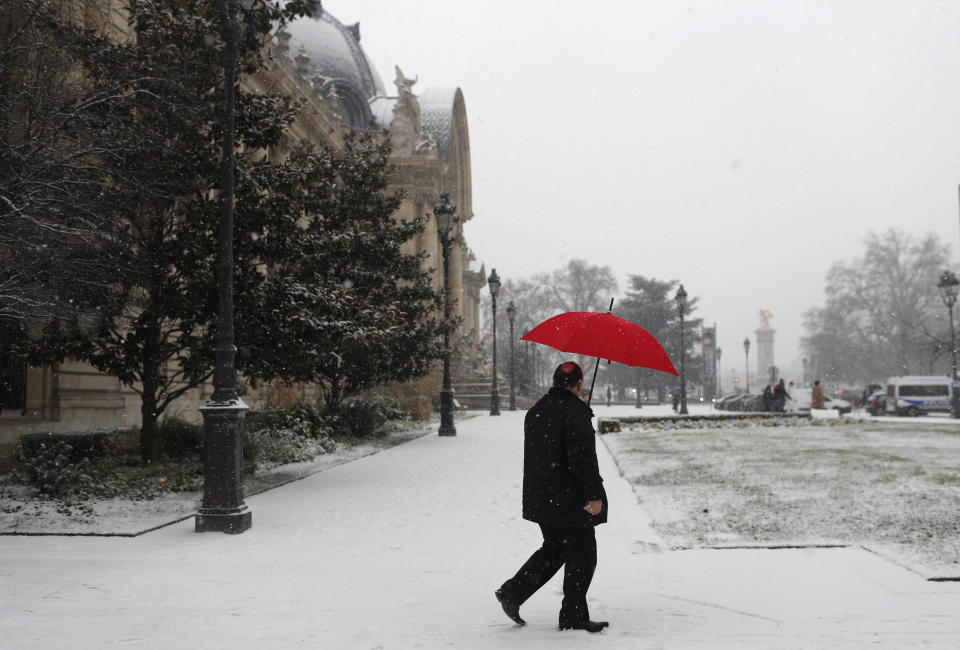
pixel 422 408
pixel 81 445
pixel 180 439
pixel 298 434
pixel 608 426
pixel 49 468
pixel 362 417
pixel 279 446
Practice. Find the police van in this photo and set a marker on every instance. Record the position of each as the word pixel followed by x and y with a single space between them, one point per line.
pixel 916 395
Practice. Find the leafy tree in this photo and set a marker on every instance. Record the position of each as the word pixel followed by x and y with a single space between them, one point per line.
pixel 49 181
pixel 343 305
pixel 533 361
pixel 650 304
pixel 883 315
pixel 154 104
pixel 575 286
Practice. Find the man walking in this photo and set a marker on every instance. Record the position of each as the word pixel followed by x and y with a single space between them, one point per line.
pixel 563 493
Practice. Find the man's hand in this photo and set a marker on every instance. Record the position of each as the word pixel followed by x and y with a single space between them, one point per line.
pixel 593 507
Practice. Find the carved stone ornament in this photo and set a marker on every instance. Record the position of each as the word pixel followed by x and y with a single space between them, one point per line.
pixel 405 127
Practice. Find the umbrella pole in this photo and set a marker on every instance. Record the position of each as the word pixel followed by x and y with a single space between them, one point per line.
pixel 597 366
pixel 595 369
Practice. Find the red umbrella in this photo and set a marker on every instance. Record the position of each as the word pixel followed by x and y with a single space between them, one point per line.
pixel 602 335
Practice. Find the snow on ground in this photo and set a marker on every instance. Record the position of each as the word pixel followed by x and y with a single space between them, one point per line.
pixel 403 549
pixel 23 515
pixel 891 485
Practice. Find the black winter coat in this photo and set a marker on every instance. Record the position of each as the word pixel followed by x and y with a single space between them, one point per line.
pixel 560 472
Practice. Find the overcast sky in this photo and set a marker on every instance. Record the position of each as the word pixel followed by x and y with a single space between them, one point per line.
pixel 740 147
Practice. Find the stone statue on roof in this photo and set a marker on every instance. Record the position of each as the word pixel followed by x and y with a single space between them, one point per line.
pixel 765 317
pixel 405 127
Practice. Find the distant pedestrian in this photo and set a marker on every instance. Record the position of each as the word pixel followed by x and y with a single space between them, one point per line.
pixel 609 397
pixel 817 399
pixel 676 400
pixel 767 398
pixel 563 493
pixel 780 397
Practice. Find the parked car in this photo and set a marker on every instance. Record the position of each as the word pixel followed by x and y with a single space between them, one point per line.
pixel 842 405
pixel 722 404
pixel 917 395
pixel 753 403
pixel 735 403
pixel 877 403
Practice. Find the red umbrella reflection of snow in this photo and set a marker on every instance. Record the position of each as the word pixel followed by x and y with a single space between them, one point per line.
pixel 602 335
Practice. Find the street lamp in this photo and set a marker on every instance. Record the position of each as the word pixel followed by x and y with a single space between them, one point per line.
pixel 746 351
pixel 512 315
pixel 446 220
pixel 223 508
pixel 681 300
pixel 719 374
pixel 948 286
pixel 494 282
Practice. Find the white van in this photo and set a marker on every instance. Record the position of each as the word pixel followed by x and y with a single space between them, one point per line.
pixel 915 395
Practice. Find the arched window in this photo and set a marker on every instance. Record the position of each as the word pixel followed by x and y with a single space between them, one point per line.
pixel 13 367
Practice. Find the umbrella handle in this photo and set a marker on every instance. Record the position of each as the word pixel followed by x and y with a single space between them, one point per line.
pixel 597 366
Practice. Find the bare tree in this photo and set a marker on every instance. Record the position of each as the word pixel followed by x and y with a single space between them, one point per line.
pixel 579 286
pixel 883 315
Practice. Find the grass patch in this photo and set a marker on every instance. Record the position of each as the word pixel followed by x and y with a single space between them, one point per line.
pixel 891 486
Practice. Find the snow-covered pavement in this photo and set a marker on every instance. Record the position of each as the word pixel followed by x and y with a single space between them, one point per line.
pixel 404 548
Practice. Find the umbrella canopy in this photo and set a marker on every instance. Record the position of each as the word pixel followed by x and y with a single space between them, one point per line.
pixel 602 335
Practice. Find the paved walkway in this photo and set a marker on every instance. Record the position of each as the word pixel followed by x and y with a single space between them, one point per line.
pixel 403 549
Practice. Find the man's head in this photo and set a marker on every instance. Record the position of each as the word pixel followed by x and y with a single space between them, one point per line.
pixel 568 375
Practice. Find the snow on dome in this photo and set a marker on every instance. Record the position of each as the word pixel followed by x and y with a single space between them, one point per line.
pixel 334 51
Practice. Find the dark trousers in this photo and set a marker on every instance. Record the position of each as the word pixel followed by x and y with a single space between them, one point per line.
pixel 575 549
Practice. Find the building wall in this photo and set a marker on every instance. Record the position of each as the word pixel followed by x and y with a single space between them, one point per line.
pixel 74 396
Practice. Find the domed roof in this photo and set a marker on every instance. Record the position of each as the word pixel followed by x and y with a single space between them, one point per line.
pixel 437 114
pixel 333 52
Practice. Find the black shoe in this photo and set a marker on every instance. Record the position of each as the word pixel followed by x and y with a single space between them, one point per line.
pixel 510 608
pixel 589 626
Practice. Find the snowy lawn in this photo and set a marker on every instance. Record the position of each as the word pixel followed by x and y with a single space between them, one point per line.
pixel 893 487
pixel 22 513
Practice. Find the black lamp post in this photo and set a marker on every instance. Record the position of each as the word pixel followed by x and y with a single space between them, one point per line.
pixel 446 219
pixel 719 375
pixel 746 351
pixel 494 282
pixel 948 286
pixel 681 300
pixel 512 315
pixel 223 508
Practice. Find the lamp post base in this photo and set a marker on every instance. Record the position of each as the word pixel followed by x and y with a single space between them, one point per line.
pixel 446 413
pixel 232 522
pixel 223 509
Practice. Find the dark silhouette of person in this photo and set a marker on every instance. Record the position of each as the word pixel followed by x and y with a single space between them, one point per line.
pixel 767 398
pixel 563 493
pixel 817 399
pixel 780 397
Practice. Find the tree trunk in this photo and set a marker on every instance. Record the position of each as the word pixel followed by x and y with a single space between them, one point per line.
pixel 149 436
pixel 334 395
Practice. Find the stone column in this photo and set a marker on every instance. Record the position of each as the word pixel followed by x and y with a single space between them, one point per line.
pixel 765 359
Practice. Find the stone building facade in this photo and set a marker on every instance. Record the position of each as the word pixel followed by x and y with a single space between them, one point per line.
pixel 319 60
